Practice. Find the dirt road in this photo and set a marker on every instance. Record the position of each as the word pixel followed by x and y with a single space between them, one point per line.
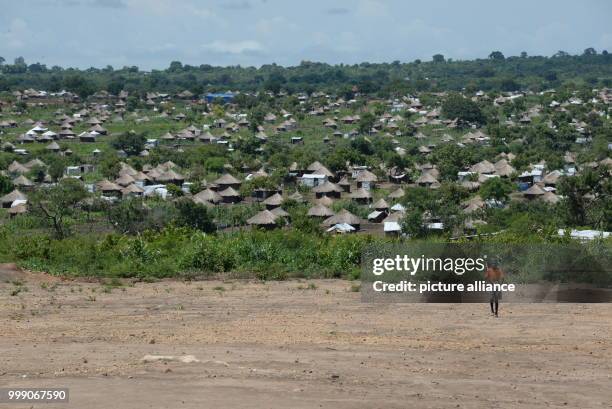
pixel 309 344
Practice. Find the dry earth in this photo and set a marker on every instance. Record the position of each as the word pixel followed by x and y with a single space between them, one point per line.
pixel 288 345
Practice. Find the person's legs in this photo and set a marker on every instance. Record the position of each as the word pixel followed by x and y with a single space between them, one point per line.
pixel 496 297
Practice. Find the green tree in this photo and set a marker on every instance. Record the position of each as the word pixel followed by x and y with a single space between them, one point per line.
pixel 412 224
pixel 174 190
pixel 194 215
pixel 497 56
pixel 496 188
pixel 127 216
pixel 451 159
pixel 37 173
pixel 6 185
pixel 175 66
pixel 438 58
pixel 214 164
pixel 56 168
pixel 130 142
pixel 57 204
pixel 466 110
pixel 133 216
pixel 366 122
pixel 587 199
pixel 80 85
pixel 110 165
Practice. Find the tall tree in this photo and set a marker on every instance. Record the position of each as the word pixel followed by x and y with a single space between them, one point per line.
pixel 497 56
pixel 56 204
pixel 438 58
pixel 466 110
pixel 130 142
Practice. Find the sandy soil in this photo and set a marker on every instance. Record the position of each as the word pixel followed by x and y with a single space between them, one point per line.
pixel 287 345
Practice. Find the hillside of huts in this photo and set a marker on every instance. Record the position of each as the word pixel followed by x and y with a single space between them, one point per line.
pixel 414 166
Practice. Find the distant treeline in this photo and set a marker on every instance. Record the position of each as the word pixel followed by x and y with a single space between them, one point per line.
pixel 495 73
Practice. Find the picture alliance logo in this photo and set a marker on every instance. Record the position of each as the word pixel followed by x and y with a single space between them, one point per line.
pixel 414 265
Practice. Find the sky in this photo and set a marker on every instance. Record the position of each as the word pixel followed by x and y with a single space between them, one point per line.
pixel 152 33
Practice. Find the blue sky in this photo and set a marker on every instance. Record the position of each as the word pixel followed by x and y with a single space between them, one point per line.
pixel 151 33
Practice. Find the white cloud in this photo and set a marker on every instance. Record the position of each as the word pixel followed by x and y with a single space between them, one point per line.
pixel 16 34
pixel 162 47
pixel 274 25
pixel 236 5
pixel 115 4
pixel 235 47
pixel 167 8
pixel 372 8
pixel 605 42
pixel 343 42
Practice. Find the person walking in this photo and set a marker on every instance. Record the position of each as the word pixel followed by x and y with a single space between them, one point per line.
pixel 494 275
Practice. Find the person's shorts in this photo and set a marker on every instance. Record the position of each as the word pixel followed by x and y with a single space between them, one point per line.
pixel 495 296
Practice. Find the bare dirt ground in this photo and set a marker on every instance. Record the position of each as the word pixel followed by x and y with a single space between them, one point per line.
pixel 294 345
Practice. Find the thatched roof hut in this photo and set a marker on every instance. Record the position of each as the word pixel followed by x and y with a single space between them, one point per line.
pixel 361 195
pixel 427 179
pixel 503 168
pixel 320 210
pixel 381 205
pixel 227 180
pixel 141 177
pixel 534 192
pixel 124 180
pixel 19 209
pixel 279 212
pixel 325 201
pixel 171 177
pixel 207 196
pixel 552 178
pixel 16 167
pixel 397 194
pixel 550 197
pixel 23 182
pixel 319 169
pixel 344 216
pixel 474 204
pixel 328 189
pixel 273 201
pixel 127 169
pixel 53 147
pixel 366 176
pixel 8 199
pixel 265 219
pixel 106 186
pixel 34 162
pixel 345 184
pixel 484 166
pixel 297 196
pixel 132 190
pixel 230 195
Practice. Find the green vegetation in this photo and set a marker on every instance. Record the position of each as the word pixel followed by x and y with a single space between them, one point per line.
pixel 176 252
pixel 466 140
pixel 463 109
pixel 496 73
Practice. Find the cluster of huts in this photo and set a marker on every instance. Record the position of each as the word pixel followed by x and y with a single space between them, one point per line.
pixel 321 187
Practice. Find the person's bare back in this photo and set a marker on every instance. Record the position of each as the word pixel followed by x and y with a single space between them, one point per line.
pixel 494 274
